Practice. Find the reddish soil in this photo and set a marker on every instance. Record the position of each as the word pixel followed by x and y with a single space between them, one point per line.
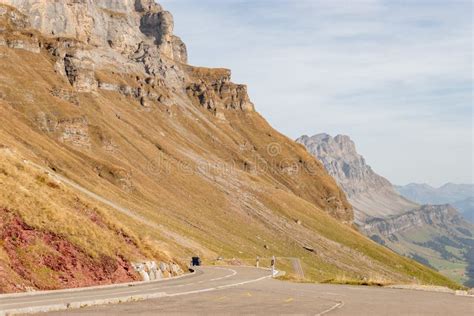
pixel 8 280
pixel 59 264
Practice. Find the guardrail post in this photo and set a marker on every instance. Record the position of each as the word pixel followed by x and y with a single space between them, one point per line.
pixel 273 266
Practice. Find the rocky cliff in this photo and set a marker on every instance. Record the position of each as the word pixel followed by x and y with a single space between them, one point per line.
pixel 124 25
pixel 370 194
pixel 96 96
pixel 439 216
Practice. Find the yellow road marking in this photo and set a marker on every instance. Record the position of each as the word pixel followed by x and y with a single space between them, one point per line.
pixel 289 300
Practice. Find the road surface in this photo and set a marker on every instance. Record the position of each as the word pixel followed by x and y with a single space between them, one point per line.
pixel 243 290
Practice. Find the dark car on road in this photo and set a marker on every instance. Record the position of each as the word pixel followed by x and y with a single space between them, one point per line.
pixel 196 261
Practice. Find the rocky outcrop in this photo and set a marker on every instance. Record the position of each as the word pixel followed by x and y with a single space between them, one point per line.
pixel 180 52
pixel 65 95
pixel 122 24
pixel 145 94
pixel 74 131
pixel 439 216
pixel 370 194
pixel 10 22
pixel 79 69
pixel 159 25
pixel 214 91
pixel 28 45
pixel 115 175
pixel 90 34
pixel 134 36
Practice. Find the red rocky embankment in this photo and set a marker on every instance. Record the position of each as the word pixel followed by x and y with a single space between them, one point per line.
pixel 44 260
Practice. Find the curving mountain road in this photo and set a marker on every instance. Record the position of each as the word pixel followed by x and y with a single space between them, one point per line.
pixel 244 290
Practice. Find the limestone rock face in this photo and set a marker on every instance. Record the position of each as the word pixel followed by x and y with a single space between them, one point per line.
pixel 147 5
pixel 341 159
pixel 370 194
pixel 81 20
pixel 121 24
pixel 133 36
pixel 180 52
pixel 79 69
pixel 159 25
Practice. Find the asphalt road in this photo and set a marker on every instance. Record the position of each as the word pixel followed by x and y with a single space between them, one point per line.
pixel 240 290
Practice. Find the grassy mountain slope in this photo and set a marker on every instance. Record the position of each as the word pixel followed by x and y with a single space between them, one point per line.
pixel 230 187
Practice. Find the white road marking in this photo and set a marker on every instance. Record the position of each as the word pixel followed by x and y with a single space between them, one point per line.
pixel 329 293
pixel 337 305
pixel 227 276
pixel 359 288
pixel 44 302
pixel 217 288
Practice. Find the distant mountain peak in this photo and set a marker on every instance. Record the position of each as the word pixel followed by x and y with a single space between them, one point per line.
pixel 369 193
pixel 447 193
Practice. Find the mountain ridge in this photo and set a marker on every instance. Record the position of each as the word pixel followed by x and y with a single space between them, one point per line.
pixel 446 193
pixel 459 195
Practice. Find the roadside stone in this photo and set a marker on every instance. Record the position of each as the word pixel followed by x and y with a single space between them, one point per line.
pixel 140 268
pixel 176 270
pixel 163 267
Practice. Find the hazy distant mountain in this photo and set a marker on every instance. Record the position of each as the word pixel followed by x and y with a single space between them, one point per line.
pixel 460 196
pixel 448 193
pixel 466 207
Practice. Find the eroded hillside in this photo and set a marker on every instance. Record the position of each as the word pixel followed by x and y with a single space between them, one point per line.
pixel 108 102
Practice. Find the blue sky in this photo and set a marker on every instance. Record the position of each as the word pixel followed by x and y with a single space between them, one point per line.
pixel 394 75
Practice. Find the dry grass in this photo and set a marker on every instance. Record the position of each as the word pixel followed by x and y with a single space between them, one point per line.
pixel 49 206
pixel 375 280
pixel 208 74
